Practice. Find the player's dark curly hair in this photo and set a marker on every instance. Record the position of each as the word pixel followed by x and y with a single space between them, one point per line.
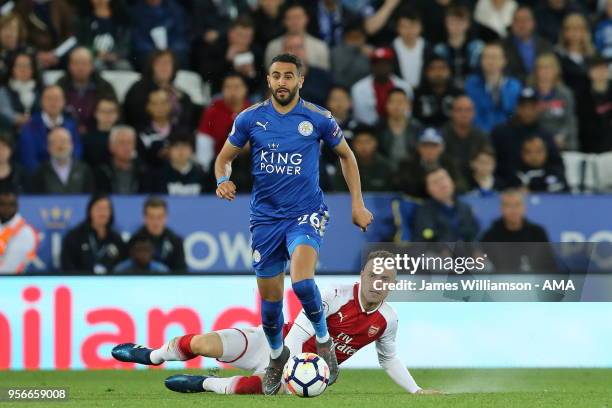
pixel 290 59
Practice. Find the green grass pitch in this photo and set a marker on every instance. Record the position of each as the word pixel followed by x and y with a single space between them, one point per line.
pixel 473 388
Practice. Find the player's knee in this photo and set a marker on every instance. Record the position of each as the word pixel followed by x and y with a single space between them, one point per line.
pixel 202 346
pixel 305 289
pixel 270 312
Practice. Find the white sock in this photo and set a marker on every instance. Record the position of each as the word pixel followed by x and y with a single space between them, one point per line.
pixel 323 339
pixel 275 353
pixel 167 352
pixel 220 385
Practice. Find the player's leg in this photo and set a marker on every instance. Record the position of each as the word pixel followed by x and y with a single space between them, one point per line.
pixel 245 348
pixel 180 348
pixel 303 243
pixel 269 262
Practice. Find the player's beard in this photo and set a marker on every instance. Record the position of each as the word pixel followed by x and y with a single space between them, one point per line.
pixel 288 99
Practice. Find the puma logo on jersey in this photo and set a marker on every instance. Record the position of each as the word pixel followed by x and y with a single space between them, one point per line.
pixel 263 125
pixel 341 316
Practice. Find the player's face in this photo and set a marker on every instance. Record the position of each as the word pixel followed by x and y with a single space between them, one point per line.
pixel 373 286
pixel 284 82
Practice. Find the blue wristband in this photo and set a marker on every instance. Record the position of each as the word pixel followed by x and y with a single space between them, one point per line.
pixel 222 180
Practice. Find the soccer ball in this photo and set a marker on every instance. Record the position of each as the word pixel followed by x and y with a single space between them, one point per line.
pixel 306 375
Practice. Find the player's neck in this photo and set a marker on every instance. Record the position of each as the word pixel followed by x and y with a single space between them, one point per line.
pixel 282 109
pixel 368 307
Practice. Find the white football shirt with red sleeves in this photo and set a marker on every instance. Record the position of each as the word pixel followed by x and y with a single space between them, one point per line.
pixel 349 325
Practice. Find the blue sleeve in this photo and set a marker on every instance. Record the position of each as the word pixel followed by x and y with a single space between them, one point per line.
pixel 239 135
pixel 331 133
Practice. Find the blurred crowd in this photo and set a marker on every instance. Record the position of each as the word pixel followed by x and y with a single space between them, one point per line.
pixel 493 92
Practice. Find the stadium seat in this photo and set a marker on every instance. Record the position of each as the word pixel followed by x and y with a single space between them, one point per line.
pixel 603 172
pixel 51 76
pixel 191 83
pixel 121 81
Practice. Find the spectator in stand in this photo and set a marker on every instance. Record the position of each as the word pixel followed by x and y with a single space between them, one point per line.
pixel 495 15
pixel 513 226
pixel 216 121
pixel 159 25
pixel 433 99
pixel 268 19
pixel 48 24
pixel 236 53
pixel 141 260
pixel 13 36
pixel 12 175
pixel 350 60
pixel 574 50
pixel 603 32
pixel 62 174
pixel 595 109
pixel 124 173
pixel 494 94
pixel 212 19
pixel 181 174
pixel 432 16
pixel 374 170
pixel 21 94
pixel 443 218
pixel 369 94
pixel 93 246
pixel 550 15
pixel 83 86
pixel 556 103
pixel 461 51
pixel 317 81
pixel 295 20
pixel 168 245
pixel 339 104
pixel 328 19
pixel 153 139
pixel 18 240
pixel 462 140
pixel 482 180
pixel 399 132
pixel 160 74
pixel 411 50
pixel 410 174
pixel 523 45
pixel 32 143
pixel 508 138
pixel 536 174
pixel 105 30
pixel 95 142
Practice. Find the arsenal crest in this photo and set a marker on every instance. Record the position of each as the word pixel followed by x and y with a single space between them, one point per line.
pixel 373 330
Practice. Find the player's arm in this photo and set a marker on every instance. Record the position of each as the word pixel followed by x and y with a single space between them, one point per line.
pixel 390 362
pixel 362 217
pixel 223 170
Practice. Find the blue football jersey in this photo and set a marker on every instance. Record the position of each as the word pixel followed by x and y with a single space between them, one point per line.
pixel 285 150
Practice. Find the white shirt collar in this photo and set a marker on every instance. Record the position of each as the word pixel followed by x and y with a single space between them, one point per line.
pixel 49 122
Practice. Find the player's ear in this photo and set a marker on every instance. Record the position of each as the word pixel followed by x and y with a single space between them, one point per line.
pixel 301 83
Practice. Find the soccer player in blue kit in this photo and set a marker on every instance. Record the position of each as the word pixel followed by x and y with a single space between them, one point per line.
pixel 288 215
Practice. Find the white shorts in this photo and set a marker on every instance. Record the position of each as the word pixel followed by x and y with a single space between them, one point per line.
pixel 245 348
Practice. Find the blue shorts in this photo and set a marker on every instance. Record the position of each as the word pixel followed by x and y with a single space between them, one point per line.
pixel 273 241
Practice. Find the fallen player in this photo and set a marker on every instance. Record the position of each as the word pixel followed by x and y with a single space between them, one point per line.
pixel 356 315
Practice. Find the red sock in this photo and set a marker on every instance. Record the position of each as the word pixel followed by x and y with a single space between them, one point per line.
pixel 248 385
pixel 184 346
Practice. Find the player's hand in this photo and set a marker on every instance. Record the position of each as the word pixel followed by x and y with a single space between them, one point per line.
pixel 226 190
pixel 429 392
pixel 362 217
